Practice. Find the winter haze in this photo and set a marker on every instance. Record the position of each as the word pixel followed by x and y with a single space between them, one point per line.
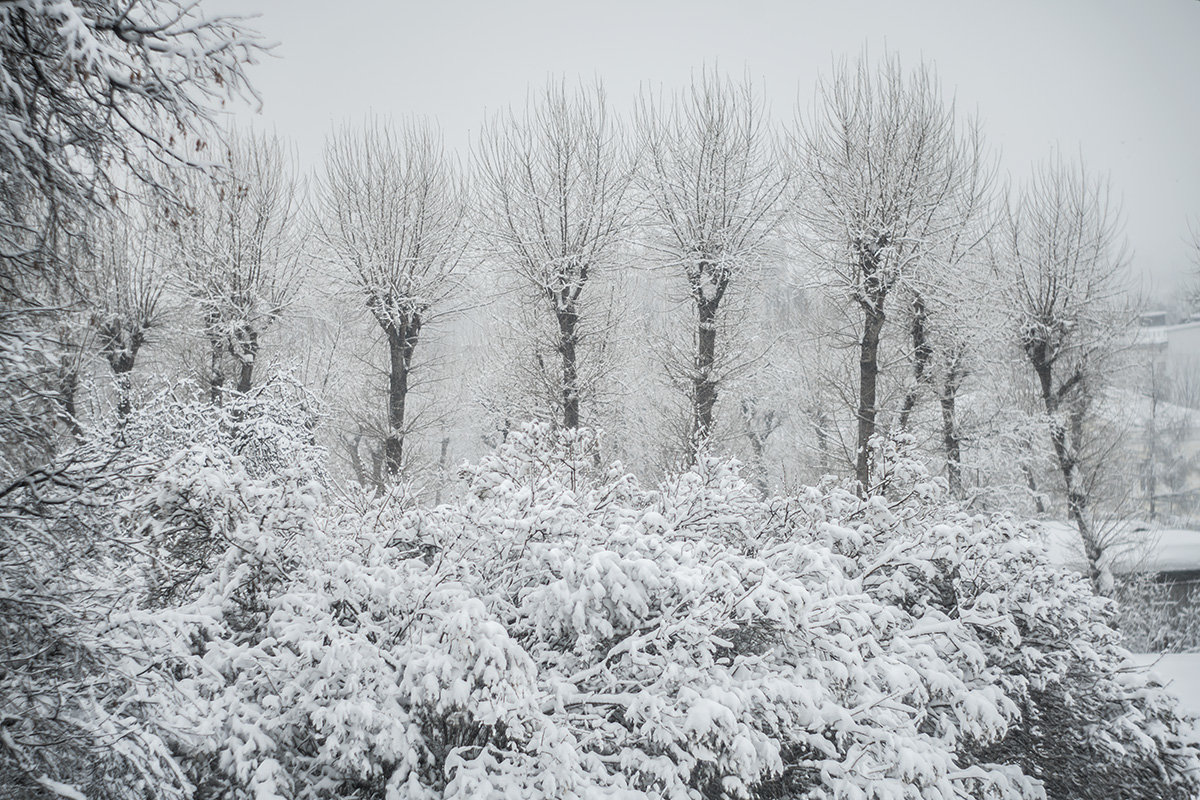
pixel 1113 81
pixel 612 401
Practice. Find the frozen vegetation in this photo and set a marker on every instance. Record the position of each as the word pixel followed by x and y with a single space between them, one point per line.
pixel 304 495
pixel 560 631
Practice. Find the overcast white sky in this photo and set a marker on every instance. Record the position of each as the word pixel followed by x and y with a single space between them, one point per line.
pixel 1115 80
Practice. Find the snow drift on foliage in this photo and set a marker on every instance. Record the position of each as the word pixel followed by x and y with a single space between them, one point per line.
pixel 562 632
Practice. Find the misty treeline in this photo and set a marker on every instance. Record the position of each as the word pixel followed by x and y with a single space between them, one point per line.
pixel 676 453
pixel 690 276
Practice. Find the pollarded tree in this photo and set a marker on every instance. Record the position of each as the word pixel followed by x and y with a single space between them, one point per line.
pixel 555 181
pixel 952 293
pixel 393 218
pixel 240 251
pixel 885 162
pixel 123 284
pixel 1063 263
pixel 715 191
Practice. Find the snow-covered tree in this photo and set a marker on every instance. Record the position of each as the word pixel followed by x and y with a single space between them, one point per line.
pixel 714 189
pixel 239 249
pixel 123 280
pixel 392 219
pixel 1062 263
pixel 554 187
pixel 886 164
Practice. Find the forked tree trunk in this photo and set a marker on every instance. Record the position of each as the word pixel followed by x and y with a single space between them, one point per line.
pixel 1066 451
pixel 120 350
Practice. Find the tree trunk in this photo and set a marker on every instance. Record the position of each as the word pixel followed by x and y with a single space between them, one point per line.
pixel 868 367
pixel 922 353
pixel 121 356
pixel 823 424
pixel 402 340
pixel 247 354
pixel 216 375
pixel 704 382
pixel 568 321
pixel 68 391
pixel 951 442
pixel 1066 452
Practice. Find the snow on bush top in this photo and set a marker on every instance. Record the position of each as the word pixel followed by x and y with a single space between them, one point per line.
pixel 562 632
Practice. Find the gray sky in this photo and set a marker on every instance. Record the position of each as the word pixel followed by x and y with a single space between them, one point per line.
pixel 1114 80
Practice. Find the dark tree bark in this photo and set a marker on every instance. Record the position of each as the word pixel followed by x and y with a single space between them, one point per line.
pixel 568 320
pixel 68 391
pixel 951 441
pixel 871 298
pixel 216 373
pixel 121 360
pixel 120 343
pixel 402 341
pixel 244 348
pixel 868 381
pixel 704 380
pixel 922 353
pixel 1065 440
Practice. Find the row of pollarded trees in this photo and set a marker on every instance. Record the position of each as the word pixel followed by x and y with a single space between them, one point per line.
pixel 889 196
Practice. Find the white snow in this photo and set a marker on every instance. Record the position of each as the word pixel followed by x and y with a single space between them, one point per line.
pixel 1127 550
pixel 1180 673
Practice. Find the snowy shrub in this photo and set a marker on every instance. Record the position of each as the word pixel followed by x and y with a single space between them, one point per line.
pixel 562 632
pixel 87 674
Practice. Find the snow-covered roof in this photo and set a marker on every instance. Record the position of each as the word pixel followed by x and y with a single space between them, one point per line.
pixel 1127 550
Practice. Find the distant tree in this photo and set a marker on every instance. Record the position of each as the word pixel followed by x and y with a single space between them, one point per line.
pixel 555 184
pixel 952 296
pixel 240 251
pixel 715 191
pixel 124 281
pixel 886 166
pixel 1063 264
pixel 392 217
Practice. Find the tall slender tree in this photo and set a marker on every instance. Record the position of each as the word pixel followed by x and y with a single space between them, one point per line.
pixel 555 182
pixel 715 191
pixel 885 165
pixel 1063 261
pixel 392 218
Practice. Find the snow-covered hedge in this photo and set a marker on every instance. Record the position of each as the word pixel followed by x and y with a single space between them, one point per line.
pixel 188 614
pixel 564 633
